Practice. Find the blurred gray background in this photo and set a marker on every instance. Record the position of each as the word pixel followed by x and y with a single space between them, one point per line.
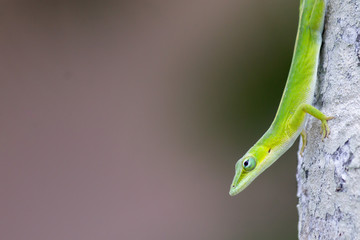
pixel 124 119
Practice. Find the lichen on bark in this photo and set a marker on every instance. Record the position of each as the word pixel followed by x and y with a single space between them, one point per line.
pixel 329 172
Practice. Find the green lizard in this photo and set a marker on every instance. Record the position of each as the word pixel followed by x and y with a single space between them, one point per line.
pixel 295 102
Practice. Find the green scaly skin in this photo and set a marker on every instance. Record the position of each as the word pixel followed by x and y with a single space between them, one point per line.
pixel 296 99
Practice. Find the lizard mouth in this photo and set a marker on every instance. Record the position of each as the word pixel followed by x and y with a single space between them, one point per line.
pixel 239 183
pixel 233 191
pixel 236 189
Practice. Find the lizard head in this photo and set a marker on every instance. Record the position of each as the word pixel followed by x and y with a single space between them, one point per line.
pixel 251 165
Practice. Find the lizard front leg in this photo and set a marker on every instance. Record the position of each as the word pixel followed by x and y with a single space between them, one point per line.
pixel 307 108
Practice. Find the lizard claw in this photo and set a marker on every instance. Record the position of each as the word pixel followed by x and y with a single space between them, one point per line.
pixel 325 130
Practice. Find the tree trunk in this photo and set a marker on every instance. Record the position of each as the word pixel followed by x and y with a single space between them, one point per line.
pixel 329 172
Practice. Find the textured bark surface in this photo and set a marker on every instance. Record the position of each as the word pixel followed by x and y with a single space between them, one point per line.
pixel 329 172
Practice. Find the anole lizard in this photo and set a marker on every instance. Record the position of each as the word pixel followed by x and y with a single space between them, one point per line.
pixel 295 102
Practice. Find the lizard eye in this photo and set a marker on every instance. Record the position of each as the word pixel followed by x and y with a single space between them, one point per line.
pixel 249 164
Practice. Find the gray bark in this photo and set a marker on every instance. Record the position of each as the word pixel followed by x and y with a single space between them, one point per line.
pixel 329 172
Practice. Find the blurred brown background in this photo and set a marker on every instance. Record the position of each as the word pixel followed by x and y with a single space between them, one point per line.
pixel 124 119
